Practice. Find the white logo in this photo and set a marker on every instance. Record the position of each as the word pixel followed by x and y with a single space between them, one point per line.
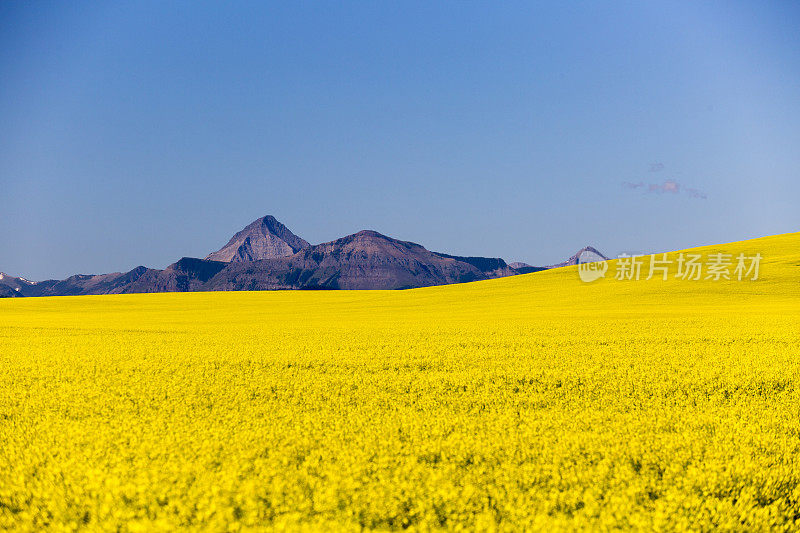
pixel 591 267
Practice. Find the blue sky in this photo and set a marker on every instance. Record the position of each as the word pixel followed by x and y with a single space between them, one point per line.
pixel 137 133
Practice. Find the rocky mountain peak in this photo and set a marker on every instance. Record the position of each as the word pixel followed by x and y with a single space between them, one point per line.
pixel 264 238
pixel 587 254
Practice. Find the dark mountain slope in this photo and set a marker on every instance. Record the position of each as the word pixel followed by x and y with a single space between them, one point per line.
pixel 188 274
pixel 8 292
pixel 14 287
pixel 88 284
pixel 365 260
pixel 525 268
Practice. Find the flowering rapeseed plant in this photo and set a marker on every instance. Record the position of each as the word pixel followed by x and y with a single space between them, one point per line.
pixel 532 402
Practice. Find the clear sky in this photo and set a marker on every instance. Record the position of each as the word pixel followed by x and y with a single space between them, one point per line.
pixel 139 132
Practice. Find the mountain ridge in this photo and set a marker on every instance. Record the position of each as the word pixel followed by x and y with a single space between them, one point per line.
pixel 363 260
pixel 266 255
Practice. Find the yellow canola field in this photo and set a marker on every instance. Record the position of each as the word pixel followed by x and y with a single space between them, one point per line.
pixel 531 402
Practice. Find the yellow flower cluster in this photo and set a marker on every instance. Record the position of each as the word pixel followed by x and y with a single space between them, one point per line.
pixel 533 402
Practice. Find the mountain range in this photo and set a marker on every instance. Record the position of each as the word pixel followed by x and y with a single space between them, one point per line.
pixel 266 255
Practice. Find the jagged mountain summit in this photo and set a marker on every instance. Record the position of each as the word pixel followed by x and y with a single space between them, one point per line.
pixel 587 254
pixel 265 238
pixel 266 255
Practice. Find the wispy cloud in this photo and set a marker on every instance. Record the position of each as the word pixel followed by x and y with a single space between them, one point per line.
pixel 670 186
pixel 631 185
pixel 665 187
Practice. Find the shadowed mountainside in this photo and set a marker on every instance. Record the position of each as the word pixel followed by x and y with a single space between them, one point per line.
pixel 266 255
pixel 365 260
